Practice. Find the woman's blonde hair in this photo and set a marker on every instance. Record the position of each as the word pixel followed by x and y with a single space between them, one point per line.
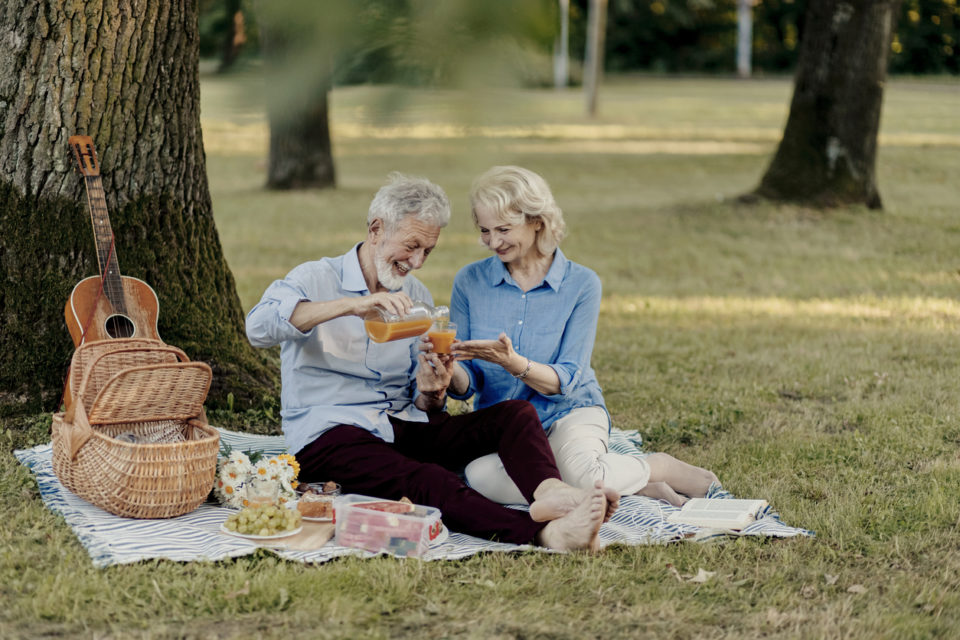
pixel 519 196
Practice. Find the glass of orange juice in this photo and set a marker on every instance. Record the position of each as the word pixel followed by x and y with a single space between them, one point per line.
pixel 442 334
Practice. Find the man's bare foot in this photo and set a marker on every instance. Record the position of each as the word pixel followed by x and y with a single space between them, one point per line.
pixel 577 529
pixel 662 491
pixel 554 499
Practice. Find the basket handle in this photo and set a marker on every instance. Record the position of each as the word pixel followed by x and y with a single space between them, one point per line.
pixel 76 429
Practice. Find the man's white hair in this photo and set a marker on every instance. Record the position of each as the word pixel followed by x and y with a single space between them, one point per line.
pixel 404 196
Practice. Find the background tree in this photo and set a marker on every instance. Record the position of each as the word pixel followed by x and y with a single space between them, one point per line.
pixel 126 74
pixel 298 111
pixel 309 48
pixel 828 152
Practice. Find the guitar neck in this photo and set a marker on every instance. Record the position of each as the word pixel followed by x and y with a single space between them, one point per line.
pixel 103 237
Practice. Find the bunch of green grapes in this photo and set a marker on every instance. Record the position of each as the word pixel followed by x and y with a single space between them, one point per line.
pixel 263 520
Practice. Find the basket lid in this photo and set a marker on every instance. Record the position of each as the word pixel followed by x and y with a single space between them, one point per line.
pixel 153 392
pixel 103 361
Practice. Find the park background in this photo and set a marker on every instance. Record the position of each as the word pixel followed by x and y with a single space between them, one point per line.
pixel 804 353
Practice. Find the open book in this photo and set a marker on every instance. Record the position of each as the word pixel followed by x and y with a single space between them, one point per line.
pixel 718 513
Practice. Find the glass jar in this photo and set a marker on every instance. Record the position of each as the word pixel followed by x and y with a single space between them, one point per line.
pixel 261 491
pixel 383 326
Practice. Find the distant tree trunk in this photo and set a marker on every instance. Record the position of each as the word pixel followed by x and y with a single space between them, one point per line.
pixel 827 156
pixel 301 155
pixel 593 61
pixel 744 37
pixel 561 48
pixel 235 36
pixel 125 73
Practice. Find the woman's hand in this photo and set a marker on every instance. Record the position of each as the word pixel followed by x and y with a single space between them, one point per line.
pixel 499 351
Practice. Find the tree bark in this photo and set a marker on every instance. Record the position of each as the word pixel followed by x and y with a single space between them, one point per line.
pixel 827 156
pixel 124 72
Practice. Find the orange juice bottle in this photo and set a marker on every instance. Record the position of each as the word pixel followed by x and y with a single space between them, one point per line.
pixel 382 326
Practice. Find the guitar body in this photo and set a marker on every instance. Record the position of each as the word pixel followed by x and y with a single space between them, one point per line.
pixel 88 304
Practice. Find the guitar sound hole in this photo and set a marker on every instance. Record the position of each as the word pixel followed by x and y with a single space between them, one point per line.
pixel 119 327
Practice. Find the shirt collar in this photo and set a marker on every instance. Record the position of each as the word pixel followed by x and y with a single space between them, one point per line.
pixel 352 277
pixel 498 271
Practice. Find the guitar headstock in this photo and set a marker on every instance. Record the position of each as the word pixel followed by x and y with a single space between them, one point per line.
pixel 85 154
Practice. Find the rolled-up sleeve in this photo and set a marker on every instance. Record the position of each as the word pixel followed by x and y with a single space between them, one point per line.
pixel 268 323
pixel 579 335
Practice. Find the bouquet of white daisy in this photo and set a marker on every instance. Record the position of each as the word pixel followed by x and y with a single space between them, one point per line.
pixel 236 468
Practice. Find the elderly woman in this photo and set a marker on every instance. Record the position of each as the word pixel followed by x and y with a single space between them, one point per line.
pixel 526 322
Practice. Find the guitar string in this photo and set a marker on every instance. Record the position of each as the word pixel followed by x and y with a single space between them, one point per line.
pixel 110 270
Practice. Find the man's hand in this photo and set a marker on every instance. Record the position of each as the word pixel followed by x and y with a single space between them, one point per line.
pixel 433 377
pixel 306 315
pixel 397 303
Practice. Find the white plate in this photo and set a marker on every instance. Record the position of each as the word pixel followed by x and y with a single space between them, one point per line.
pixel 282 534
pixel 309 519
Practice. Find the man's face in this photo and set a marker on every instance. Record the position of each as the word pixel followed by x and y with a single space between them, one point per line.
pixel 403 250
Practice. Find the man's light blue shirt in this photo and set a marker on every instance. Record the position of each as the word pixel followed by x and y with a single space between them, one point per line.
pixel 334 374
pixel 554 323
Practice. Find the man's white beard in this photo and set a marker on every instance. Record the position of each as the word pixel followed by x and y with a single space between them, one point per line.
pixel 385 273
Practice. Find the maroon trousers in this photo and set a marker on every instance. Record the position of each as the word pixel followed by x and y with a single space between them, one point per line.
pixel 424 461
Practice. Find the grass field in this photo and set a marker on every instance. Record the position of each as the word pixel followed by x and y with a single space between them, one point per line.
pixel 808 357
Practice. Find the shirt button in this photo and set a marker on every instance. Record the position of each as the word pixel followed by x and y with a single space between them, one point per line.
pixel 524 296
pixel 521 322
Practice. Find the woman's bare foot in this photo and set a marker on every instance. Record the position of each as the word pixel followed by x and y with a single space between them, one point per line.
pixel 554 499
pixel 662 491
pixel 577 529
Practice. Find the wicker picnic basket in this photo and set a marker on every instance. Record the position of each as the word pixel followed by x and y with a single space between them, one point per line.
pixel 135 440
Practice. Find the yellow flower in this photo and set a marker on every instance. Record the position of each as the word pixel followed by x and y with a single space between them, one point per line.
pixel 228 490
pixel 261 471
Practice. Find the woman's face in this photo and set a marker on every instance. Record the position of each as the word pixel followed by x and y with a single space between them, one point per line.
pixel 511 242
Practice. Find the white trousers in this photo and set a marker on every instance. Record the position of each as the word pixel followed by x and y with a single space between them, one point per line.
pixel 579 442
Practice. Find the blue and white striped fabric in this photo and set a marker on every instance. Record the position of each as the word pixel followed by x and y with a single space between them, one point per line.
pixel 196 536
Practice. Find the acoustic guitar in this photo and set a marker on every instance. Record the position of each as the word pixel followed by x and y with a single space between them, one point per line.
pixel 110 305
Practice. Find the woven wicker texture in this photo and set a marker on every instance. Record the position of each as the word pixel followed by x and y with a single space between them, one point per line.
pixel 168 477
pixel 96 362
pixel 144 450
pixel 154 392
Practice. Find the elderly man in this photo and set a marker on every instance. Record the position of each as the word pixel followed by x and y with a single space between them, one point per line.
pixel 370 415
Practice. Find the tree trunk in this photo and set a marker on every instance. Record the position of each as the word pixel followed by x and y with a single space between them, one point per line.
pixel 744 37
pixel 593 60
pixel 301 155
pixel 235 36
pixel 561 49
pixel 125 73
pixel 827 156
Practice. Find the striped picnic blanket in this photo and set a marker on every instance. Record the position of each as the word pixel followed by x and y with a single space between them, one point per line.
pixel 114 540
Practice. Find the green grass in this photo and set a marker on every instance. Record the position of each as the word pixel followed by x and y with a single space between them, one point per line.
pixel 808 357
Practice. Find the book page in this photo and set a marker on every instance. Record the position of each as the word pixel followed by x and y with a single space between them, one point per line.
pixel 718 513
